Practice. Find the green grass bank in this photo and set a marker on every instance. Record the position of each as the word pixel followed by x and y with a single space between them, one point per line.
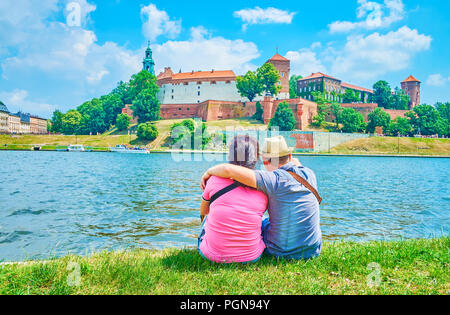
pixel 401 267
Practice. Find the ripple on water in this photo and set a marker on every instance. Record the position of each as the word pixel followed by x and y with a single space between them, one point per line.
pixel 30 211
pixel 109 201
pixel 12 237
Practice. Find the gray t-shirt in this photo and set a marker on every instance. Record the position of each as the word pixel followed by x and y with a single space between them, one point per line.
pixel 294 213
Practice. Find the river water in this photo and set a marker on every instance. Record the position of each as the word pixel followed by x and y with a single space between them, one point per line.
pixel 55 203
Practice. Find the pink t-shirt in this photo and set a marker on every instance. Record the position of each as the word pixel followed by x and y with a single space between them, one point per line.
pixel 233 227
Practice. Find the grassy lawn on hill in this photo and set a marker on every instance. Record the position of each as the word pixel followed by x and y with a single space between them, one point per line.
pixel 388 145
pixel 402 267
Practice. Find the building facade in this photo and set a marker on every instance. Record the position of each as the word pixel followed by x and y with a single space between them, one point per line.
pixel 38 125
pixel 196 87
pixel 333 88
pixel 283 65
pixel 4 116
pixel 411 86
pixel 148 63
pixel 14 124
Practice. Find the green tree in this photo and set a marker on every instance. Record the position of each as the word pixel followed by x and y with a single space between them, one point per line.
pixel 426 120
pixel 259 114
pixel 378 118
pixel 399 100
pixel 71 122
pixel 56 123
pixel 284 118
pixel 336 110
pixel 146 106
pixel 399 126
pixel 123 122
pixel 142 81
pixel 323 108
pixel 189 135
pixel 382 94
pixel 123 90
pixel 293 88
pixel 93 117
pixel 147 131
pixel 112 106
pixel 352 121
pixel 249 85
pixel 444 112
pixel 269 77
pixel 350 96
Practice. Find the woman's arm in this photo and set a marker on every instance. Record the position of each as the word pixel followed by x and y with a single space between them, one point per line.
pixel 238 173
pixel 204 209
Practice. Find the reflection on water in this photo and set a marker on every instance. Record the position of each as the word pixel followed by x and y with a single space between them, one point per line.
pixel 54 203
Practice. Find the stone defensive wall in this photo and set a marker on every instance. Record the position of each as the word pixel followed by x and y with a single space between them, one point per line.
pixel 303 141
pixel 212 110
pixel 366 109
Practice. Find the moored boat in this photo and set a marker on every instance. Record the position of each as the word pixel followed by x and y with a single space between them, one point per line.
pixel 75 148
pixel 127 150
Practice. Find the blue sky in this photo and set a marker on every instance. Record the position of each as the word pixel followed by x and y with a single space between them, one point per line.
pixel 56 54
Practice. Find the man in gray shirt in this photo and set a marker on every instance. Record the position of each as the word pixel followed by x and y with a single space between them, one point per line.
pixel 293 228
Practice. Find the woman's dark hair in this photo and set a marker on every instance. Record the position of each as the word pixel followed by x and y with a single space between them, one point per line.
pixel 244 151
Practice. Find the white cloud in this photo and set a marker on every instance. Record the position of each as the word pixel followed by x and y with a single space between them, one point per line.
pixel 205 52
pixel 372 15
pixel 437 80
pixel 158 22
pixel 55 63
pixel 304 62
pixel 258 15
pixel 17 100
pixel 368 57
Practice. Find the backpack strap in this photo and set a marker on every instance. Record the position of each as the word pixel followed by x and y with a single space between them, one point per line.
pixel 223 191
pixel 305 183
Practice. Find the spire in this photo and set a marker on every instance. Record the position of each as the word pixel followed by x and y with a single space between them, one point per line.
pixel 148 62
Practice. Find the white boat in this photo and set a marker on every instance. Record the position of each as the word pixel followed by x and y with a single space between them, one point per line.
pixel 125 149
pixel 76 148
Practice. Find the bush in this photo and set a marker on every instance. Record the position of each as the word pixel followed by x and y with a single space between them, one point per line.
pixel 352 121
pixel 284 118
pixel 122 122
pixel 259 112
pixel 189 135
pixel 147 131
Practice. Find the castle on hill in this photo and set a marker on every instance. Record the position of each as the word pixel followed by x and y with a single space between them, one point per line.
pixel 213 95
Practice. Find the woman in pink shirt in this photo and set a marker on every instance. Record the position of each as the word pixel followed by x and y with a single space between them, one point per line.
pixel 231 233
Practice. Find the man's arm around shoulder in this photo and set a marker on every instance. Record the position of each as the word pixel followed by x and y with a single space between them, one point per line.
pixel 238 173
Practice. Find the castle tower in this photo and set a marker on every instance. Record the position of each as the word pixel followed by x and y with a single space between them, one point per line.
pixel 411 86
pixel 283 65
pixel 148 62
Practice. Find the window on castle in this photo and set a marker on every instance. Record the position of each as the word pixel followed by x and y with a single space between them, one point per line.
pixel 198 93
pixel 199 82
pixel 179 108
pixel 228 82
pixel 185 83
pixel 213 82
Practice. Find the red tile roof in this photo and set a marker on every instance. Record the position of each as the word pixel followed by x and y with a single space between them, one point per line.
pixel 196 75
pixel 355 87
pixel 318 75
pixel 278 57
pixel 411 79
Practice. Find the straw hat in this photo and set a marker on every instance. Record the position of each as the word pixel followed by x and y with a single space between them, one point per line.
pixel 276 147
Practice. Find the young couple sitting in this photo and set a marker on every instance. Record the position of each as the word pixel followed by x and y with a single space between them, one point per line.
pixel 236 196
